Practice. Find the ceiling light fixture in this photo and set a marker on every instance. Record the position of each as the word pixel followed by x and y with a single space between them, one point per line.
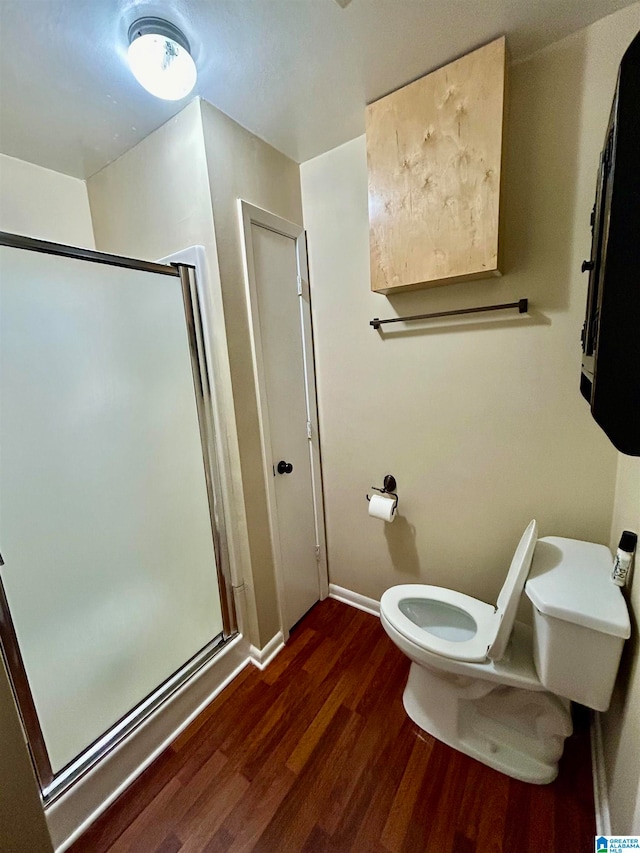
pixel 160 60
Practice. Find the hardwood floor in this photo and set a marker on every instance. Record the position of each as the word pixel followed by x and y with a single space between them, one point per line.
pixel 316 754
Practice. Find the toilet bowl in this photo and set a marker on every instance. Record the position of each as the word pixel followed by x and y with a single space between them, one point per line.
pixel 497 689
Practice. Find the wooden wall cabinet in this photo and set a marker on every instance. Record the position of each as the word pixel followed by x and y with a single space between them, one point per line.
pixel 434 152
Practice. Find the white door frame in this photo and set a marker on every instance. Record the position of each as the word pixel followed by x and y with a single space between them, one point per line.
pixel 251 215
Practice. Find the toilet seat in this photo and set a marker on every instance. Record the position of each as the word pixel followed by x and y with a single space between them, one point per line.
pixel 454 625
pixel 473 649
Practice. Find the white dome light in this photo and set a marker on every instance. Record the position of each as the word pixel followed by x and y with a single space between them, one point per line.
pixel 159 59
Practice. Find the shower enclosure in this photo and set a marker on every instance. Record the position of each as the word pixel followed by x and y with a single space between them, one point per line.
pixel 114 570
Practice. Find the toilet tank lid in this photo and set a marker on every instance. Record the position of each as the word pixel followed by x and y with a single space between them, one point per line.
pixel 570 580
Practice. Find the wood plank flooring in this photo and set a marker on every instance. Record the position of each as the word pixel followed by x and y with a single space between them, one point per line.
pixel 316 754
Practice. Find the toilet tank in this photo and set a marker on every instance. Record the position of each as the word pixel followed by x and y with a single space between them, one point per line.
pixel 580 620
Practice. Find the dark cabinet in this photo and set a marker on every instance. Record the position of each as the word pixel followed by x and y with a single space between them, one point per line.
pixel 610 377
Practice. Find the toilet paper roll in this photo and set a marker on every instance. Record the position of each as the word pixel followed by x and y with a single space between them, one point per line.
pixel 381 506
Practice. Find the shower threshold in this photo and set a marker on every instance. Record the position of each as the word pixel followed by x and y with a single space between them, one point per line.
pixel 105 744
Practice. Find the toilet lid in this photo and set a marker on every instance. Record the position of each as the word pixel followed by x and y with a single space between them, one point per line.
pixel 395 600
pixel 570 580
pixel 509 598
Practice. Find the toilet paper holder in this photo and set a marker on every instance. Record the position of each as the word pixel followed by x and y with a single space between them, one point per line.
pixel 389 487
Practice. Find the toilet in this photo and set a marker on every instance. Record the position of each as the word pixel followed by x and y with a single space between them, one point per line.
pixel 495 688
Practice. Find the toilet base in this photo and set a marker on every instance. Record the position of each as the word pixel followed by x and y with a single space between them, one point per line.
pixel 516 731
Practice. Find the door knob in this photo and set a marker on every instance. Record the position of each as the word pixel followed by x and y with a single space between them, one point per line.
pixel 284 467
pixel 587 266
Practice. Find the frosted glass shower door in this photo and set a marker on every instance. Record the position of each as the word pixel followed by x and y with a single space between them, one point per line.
pixel 105 530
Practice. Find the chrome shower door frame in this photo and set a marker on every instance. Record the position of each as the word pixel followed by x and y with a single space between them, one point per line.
pixel 53 785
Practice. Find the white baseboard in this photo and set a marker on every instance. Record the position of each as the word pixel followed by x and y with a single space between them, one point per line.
pixel 369 605
pixel 75 810
pixel 263 657
pixel 600 789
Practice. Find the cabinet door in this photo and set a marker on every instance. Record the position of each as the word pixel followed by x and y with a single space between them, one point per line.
pixel 434 151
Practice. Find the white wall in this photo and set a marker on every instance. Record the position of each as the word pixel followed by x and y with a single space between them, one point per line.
pixel 480 420
pixel 37 202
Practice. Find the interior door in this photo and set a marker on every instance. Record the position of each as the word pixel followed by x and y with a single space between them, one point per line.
pixel 276 280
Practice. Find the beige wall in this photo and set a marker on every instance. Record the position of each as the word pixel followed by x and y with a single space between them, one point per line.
pixel 153 201
pixel 481 421
pixel 22 824
pixel 37 202
pixel 621 724
pixel 164 195
pixel 606 42
pixel 243 166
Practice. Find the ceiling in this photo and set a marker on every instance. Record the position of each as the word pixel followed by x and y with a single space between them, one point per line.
pixel 297 73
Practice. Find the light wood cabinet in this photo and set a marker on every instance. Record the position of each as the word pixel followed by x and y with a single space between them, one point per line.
pixel 434 151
